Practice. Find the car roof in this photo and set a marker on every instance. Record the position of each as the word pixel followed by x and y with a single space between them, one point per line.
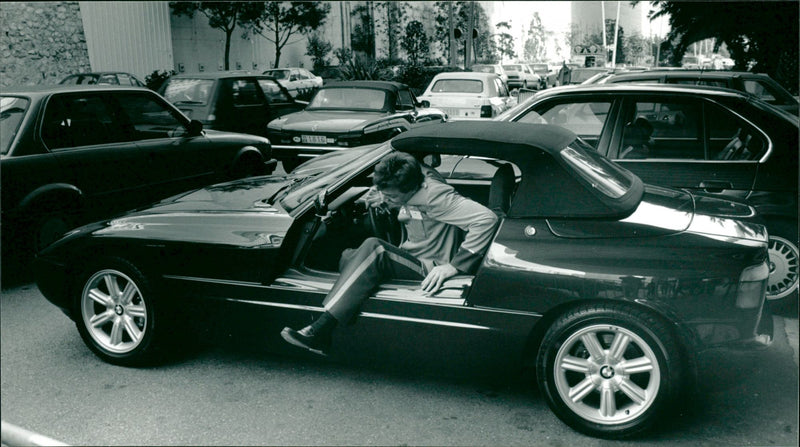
pixel 44 90
pixel 219 75
pixel 465 75
pixel 705 90
pixel 689 72
pixel 536 150
pixel 382 85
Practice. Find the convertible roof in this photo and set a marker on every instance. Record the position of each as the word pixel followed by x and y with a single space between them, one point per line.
pixel 382 85
pixel 550 187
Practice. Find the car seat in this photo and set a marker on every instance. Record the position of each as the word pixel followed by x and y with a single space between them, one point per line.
pixel 501 189
pixel 636 139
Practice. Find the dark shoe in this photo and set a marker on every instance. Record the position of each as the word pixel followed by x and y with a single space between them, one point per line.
pixel 306 338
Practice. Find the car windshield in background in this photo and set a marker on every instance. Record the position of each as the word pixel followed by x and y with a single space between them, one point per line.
pixel 579 75
pixel 483 68
pixel 458 86
pixel 348 99
pixel 603 175
pixel 513 67
pixel 12 110
pixel 278 74
pixel 188 91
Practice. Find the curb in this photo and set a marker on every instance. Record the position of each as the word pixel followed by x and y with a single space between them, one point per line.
pixel 11 435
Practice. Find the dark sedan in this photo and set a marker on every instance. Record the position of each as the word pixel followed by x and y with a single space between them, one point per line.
pixel 71 154
pixel 103 78
pixel 346 114
pixel 613 289
pixel 706 139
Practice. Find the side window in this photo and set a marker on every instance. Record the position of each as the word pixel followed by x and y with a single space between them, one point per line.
pixel 108 79
pixel 78 120
pixel 760 89
pixel 730 137
pixel 273 92
pixel 245 93
pixel 696 81
pixel 125 79
pixel 404 100
pixel 149 118
pixel 664 129
pixel 586 119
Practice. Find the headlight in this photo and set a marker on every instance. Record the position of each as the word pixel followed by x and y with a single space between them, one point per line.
pixel 752 286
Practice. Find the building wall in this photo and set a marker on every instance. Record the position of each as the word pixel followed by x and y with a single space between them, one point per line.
pixel 133 37
pixel 41 42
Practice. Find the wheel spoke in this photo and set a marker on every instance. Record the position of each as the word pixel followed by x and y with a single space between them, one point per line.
pixel 633 391
pixel 133 331
pixel 128 293
pixel 608 402
pixel 619 345
pixel 136 311
pixel 100 297
pixel 113 287
pixel 593 346
pixel 116 331
pixel 571 363
pixel 101 319
pixel 581 390
pixel 636 366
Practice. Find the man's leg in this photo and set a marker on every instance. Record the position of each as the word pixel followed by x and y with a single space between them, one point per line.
pixel 372 263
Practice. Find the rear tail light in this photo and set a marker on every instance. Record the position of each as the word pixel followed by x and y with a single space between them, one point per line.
pixel 486 111
pixel 752 286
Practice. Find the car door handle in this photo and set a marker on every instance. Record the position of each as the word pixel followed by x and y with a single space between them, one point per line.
pixel 715 186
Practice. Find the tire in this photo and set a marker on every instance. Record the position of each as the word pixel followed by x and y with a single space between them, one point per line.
pixel 782 286
pixel 49 228
pixel 247 167
pixel 116 313
pixel 290 164
pixel 610 400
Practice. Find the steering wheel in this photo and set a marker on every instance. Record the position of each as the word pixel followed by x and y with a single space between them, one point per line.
pixel 384 225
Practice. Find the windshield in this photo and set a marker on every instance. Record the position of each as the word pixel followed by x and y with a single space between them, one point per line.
pixel 603 175
pixel 188 91
pixel 457 86
pixel 349 99
pixel 278 74
pixel 579 75
pixel 513 67
pixel 325 174
pixel 12 110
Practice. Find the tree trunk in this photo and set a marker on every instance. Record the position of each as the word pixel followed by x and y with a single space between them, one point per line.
pixel 228 33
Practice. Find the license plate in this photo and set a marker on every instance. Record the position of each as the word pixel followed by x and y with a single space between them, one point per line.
pixel 313 139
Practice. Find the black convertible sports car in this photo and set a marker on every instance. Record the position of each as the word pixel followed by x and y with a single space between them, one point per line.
pixel 613 289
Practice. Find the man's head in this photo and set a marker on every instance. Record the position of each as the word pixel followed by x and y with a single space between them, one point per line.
pixel 398 176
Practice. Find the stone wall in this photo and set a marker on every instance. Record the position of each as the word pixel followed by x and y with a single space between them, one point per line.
pixel 41 42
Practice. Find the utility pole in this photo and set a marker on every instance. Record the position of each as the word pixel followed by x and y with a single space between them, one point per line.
pixel 468 49
pixel 452 34
pixel 616 35
pixel 603 27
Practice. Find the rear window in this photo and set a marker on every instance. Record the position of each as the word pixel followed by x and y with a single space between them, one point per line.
pixel 513 67
pixel 458 86
pixel 603 175
pixel 348 99
pixel 12 110
pixel 188 91
pixel 278 74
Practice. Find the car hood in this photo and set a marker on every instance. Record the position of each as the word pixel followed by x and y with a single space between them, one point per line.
pixel 325 121
pixel 665 211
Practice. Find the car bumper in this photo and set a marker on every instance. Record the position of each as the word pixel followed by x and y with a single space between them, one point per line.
pixel 285 152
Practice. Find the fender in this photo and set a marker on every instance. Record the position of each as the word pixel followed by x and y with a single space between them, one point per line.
pixel 247 151
pixel 53 190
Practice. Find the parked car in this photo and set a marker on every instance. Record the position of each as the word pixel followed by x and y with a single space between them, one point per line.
pixel 758 84
pixel 547 75
pixel 230 101
pixel 104 78
pixel 521 76
pixel 580 74
pixel 346 114
pixel 467 95
pixel 615 290
pixel 71 154
pixel 702 138
pixel 298 81
pixel 491 68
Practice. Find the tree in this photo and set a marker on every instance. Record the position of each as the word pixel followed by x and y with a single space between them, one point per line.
pixel 505 41
pixel 535 45
pixel 363 34
pixel 610 41
pixel 279 21
pixel 485 49
pixel 762 37
pixel 221 15
pixel 394 14
pixel 318 49
pixel 415 41
pixel 637 48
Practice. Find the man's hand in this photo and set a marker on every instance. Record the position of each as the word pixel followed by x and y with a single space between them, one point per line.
pixel 436 277
pixel 373 199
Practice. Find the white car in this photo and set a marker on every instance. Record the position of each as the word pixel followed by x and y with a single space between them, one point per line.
pixel 467 95
pixel 491 68
pixel 296 80
pixel 521 76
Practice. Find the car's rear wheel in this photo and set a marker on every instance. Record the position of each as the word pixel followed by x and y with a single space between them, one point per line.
pixel 609 371
pixel 116 313
pixel 783 263
pixel 290 164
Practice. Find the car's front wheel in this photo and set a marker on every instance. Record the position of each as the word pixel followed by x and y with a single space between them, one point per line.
pixel 116 313
pixel 608 370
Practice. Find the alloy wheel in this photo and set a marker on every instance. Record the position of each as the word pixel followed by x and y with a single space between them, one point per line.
pixel 783 268
pixel 114 311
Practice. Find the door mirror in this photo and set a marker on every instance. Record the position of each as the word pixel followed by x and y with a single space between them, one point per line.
pixel 426 103
pixel 195 128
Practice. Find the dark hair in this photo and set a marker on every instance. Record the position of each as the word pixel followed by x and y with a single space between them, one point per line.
pixel 398 170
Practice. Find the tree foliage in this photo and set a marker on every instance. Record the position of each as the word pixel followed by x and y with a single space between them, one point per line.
pixel 484 47
pixel 279 21
pixel 393 15
pixel 505 41
pixel 415 41
pixel 363 34
pixel 221 15
pixel 535 44
pixel 318 48
pixel 763 37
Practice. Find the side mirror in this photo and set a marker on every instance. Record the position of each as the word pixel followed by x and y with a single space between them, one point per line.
pixel 195 128
pixel 426 103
